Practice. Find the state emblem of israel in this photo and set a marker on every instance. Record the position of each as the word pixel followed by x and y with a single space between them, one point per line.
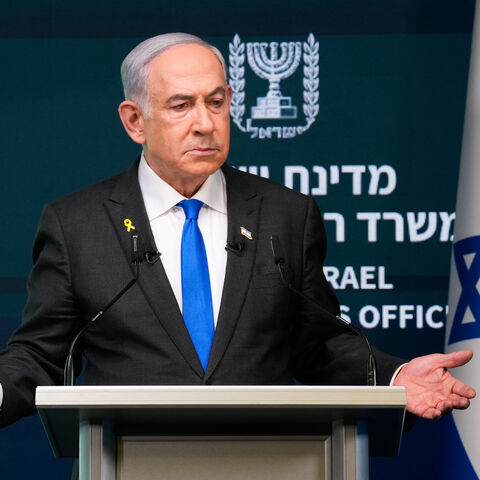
pixel 274 115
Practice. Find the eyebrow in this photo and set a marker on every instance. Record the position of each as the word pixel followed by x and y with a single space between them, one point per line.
pixel 181 96
pixel 217 90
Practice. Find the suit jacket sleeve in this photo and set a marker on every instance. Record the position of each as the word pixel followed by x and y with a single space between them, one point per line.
pixel 325 352
pixel 38 348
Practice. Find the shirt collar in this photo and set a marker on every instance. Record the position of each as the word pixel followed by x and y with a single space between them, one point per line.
pixel 159 196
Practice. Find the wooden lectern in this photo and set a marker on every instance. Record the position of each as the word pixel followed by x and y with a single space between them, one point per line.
pixel 222 432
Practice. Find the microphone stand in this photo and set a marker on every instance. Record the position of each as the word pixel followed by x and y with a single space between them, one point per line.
pixel 280 261
pixel 68 371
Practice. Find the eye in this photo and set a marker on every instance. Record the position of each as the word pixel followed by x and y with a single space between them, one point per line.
pixel 216 102
pixel 180 106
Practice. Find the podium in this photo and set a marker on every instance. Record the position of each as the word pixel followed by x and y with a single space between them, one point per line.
pixel 222 432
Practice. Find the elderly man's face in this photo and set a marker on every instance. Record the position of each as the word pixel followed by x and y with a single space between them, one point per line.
pixel 188 135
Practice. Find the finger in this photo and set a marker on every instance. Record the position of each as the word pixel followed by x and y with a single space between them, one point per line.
pixel 453 401
pixel 456 359
pixel 430 414
pixel 462 406
pixel 462 389
pixel 444 406
pixel 460 403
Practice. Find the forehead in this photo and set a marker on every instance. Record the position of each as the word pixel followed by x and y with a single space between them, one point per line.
pixel 186 66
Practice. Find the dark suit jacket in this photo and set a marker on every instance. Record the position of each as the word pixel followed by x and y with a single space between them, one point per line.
pixel 265 334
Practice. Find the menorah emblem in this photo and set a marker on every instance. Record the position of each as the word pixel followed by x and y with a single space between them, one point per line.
pixel 274 68
pixel 274 62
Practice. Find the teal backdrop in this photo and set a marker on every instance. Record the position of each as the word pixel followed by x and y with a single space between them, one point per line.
pixel 379 89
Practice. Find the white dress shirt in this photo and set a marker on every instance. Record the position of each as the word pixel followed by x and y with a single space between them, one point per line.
pixel 166 221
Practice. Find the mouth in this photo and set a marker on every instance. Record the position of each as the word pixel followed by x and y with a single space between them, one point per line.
pixel 202 150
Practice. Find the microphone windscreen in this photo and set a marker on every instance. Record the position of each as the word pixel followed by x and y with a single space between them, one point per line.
pixel 136 250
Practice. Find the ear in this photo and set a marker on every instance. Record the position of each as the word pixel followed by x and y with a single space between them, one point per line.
pixel 132 118
pixel 229 95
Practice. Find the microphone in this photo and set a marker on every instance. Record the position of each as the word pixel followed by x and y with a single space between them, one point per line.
pixel 136 249
pixel 279 259
pixel 151 257
pixel 235 247
pixel 137 256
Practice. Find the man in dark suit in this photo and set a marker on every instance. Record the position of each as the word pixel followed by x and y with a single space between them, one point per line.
pixel 177 107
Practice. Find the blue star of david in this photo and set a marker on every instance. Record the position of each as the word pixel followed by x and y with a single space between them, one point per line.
pixel 470 297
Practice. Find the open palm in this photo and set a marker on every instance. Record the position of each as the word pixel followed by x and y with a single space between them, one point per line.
pixel 432 390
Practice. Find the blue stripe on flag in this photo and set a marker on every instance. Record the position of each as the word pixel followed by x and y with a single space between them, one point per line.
pixel 469 275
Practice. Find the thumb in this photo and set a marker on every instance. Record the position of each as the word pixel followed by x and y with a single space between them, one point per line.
pixel 456 359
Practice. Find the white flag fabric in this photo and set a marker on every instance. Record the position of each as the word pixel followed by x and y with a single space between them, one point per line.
pixel 462 428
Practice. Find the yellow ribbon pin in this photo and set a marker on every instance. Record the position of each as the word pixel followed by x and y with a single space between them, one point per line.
pixel 128 223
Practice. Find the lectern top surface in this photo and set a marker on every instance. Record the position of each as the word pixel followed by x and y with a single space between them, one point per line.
pixel 121 396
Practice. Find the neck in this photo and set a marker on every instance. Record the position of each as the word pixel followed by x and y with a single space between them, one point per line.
pixel 186 186
pixel 187 189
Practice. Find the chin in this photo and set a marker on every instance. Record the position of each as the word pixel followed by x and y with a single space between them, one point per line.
pixel 206 167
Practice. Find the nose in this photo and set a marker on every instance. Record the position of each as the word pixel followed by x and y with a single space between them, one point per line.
pixel 203 123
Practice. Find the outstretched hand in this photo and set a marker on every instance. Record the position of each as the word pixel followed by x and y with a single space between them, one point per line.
pixel 432 390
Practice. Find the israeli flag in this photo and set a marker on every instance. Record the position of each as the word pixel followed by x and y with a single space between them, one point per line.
pixel 462 428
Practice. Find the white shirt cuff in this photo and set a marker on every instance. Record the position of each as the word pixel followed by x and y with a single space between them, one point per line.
pixel 394 376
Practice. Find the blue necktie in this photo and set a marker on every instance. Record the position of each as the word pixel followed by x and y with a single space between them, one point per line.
pixel 196 292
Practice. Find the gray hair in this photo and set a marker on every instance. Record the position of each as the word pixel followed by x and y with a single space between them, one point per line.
pixel 136 66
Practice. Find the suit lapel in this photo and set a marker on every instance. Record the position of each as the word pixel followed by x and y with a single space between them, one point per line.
pixel 243 208
pixel 126 202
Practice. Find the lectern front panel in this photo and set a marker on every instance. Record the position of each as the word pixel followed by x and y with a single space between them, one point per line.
pixel 218 458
